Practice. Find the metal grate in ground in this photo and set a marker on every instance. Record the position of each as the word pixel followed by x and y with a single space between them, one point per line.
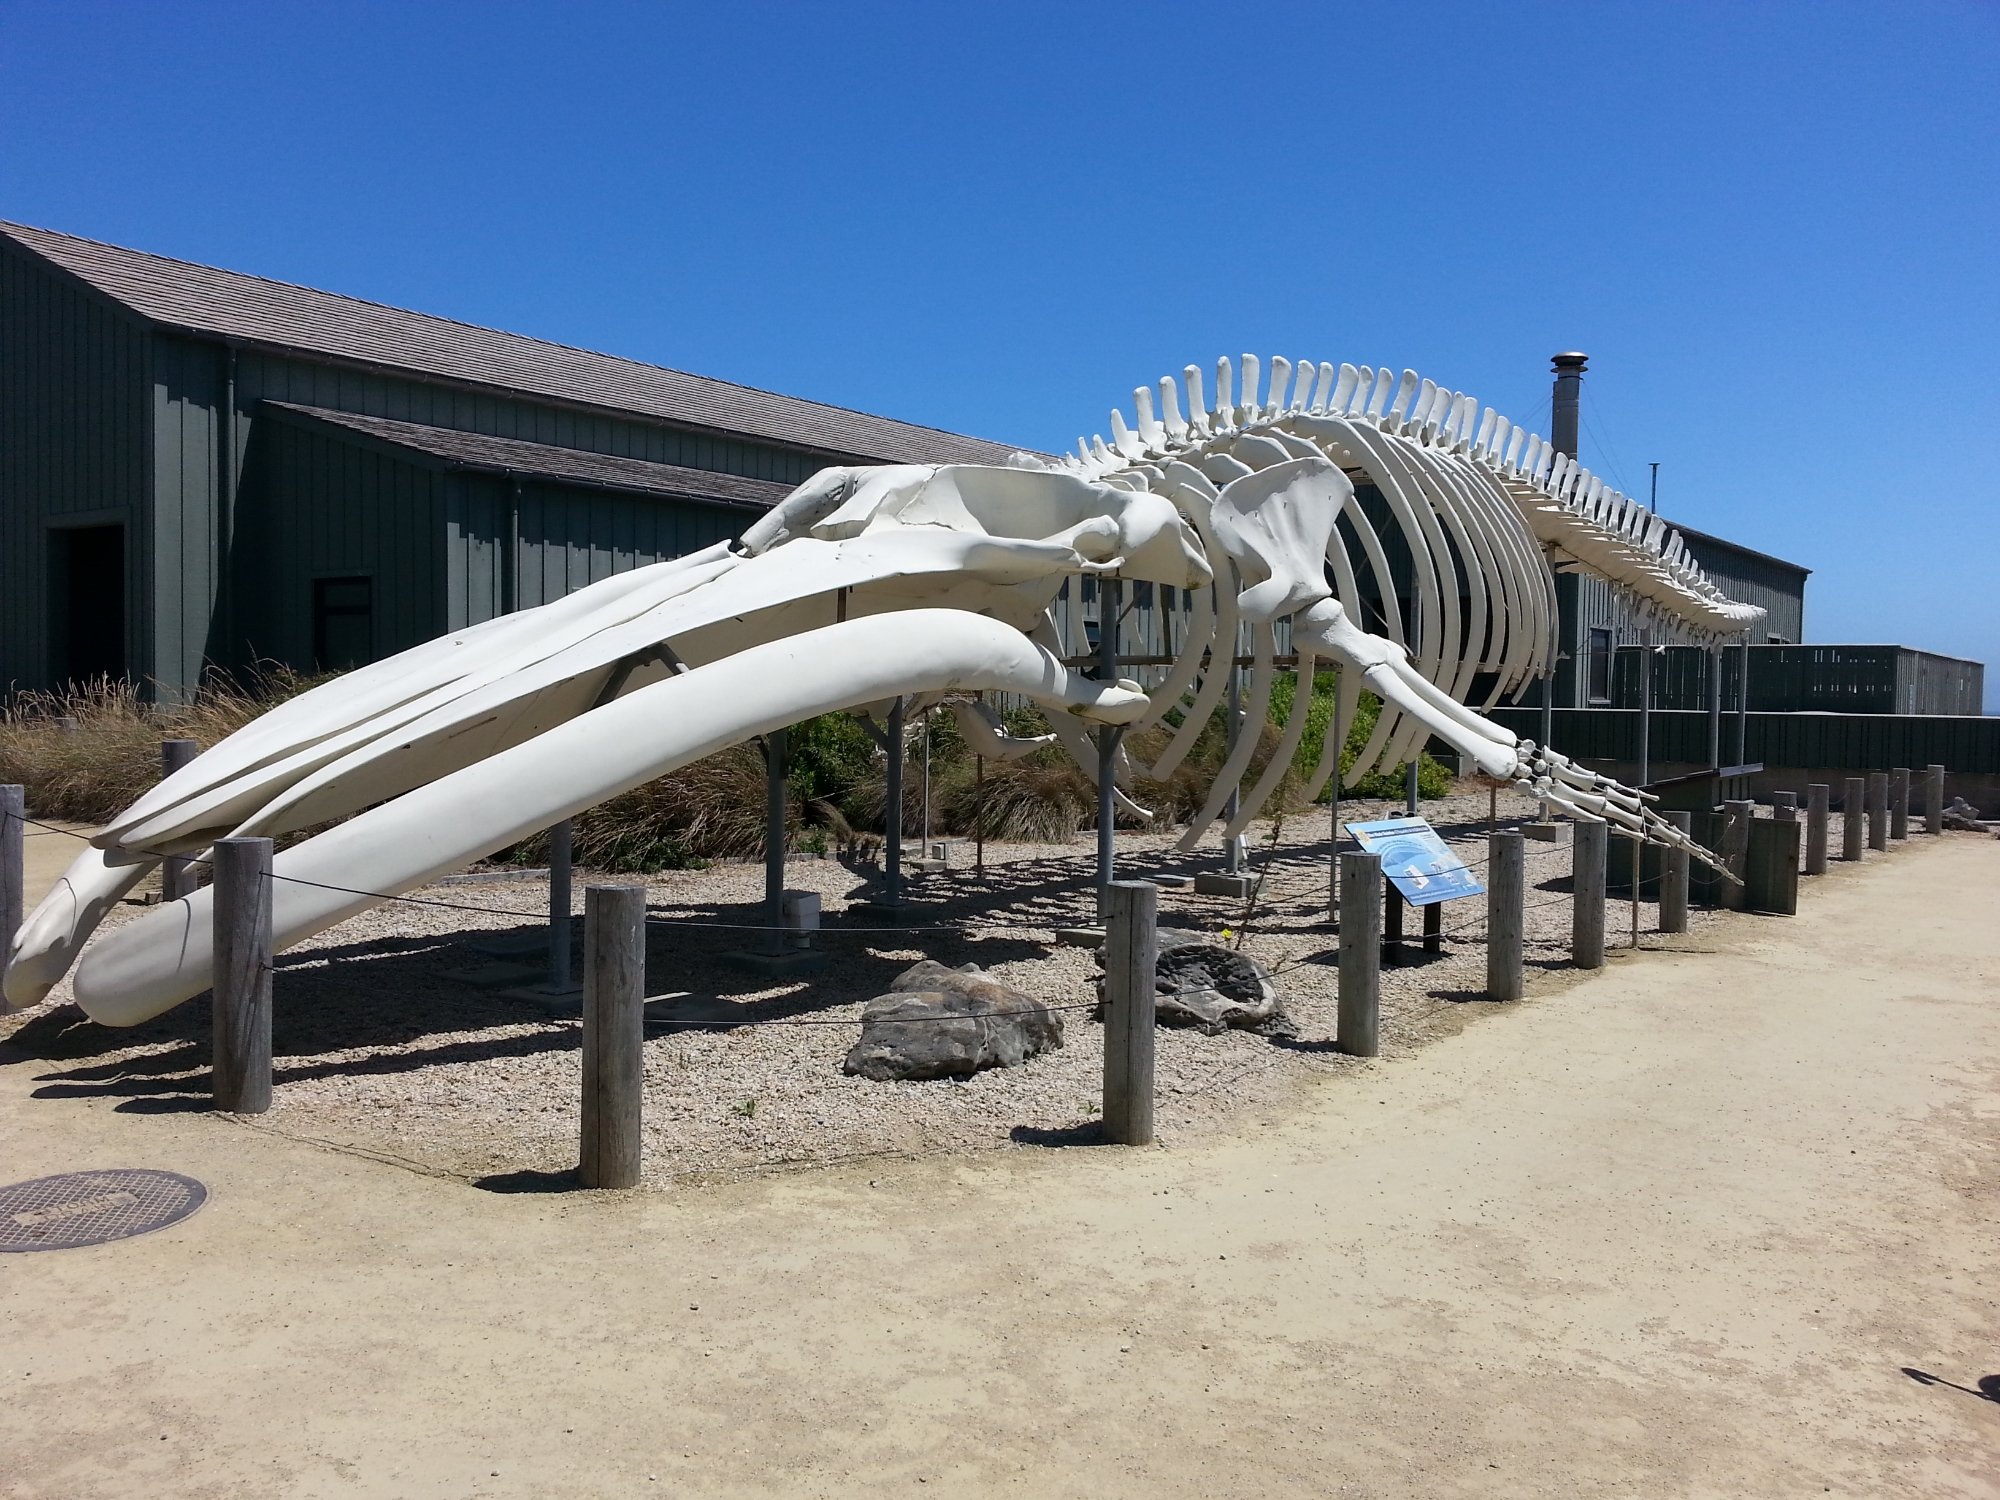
pixel 74 1209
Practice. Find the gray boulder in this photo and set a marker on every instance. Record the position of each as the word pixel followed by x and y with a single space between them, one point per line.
pixel 950 1023
pixel 1212 988
pixel 1964 816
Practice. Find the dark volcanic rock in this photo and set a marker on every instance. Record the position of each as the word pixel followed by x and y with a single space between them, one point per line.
pixel 1212 988
pixel 950 1023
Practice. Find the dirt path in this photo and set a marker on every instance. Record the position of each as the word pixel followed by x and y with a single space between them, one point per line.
pixel 1676 1231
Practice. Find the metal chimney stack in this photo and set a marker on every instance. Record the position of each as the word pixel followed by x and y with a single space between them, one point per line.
pixel 1563 407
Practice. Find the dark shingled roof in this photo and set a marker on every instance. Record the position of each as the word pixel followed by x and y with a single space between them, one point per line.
pixel 228 304
pixel 498 455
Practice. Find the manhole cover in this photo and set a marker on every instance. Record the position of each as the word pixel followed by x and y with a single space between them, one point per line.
pixel 75 1209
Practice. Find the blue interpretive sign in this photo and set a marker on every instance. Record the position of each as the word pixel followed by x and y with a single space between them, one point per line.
pixel 1416 860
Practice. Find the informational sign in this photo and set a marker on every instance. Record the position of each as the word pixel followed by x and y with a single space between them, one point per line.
pixel 1416 860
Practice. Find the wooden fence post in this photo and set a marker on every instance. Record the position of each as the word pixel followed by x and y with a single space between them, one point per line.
pixel 177 877
pixel 1736 851
pixel 1933 799
pixel 1899 803
pixel 13 862
pixel 240 1067
pixel 614 1034
pixel 1588 841
pixel 1878 810
pixel 1358 1030
pixel 1785 806
pixel 1818 796
pixel 1506 913
pixel 1674 878
pixel 1131 951
pixel 1853 818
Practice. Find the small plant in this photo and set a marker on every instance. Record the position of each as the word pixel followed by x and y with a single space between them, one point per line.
pixel 746 1110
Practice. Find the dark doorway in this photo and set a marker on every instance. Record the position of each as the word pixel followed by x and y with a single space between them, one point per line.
pixel 87 602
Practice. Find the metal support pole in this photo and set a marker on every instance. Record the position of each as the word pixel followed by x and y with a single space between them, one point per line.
pixel 240 1078
pixel 1130 954
pixel 560 839
pixel 13 862
pixel 1434 927
pixel 1933 799
pixel 1878 810
pixel 1645 710
pixel 1852 817
pixel 1674 878
pixel 1410 782
pixel 1506 914
pixel 1233 853
pixel 926 732
pixel 1899 803
pixel 1736 851
pixel 1392 925
pixel 1715 708
pixel 1588 842
pixel 1818 795
pixel 614 1035
pixel 777 749
pixel 1743 709
pixel 1548 721
pixel 177 877
pixel 1359 1022
pixel 1638 864
pixel 892 812
pixel 1110 595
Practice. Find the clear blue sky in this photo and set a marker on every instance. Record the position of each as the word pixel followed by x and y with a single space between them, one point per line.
pixel 1774 227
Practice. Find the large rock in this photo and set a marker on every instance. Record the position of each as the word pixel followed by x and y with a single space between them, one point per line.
pixel 1964 816
pixel 1211 988
pixel 950 1023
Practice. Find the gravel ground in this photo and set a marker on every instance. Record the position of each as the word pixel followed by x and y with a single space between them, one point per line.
pixel 383 1047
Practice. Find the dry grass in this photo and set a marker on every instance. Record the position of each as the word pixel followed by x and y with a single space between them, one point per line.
pixel 86 752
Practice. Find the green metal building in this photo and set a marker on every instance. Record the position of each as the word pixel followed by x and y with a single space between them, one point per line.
pixel 201 467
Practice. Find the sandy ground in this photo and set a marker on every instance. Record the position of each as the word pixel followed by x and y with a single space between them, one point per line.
pixel 1676 1230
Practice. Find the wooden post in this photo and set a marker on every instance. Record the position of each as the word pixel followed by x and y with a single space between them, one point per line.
pixel 1818 796
pixel 1878 810
pixel 1674 878
pixel 1899 803
pixel 240 1067
pixel 1588 841
pixel 1392 925
pixel 176 871
pixel 1358 1031
pixel 1434 927
pixel 13 862
pixel 614 1034
pixel 1736 851
pixel 1785 806
pixel 1130 954
pixel 1506 913
pixel 1853 820
pixel 1933 799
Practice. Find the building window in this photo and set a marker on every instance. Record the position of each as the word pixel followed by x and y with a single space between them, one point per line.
pixel 343 623
pixel 1597 661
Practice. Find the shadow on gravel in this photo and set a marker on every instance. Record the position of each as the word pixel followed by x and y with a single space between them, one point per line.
pixel 1090 1133
pixel 530 1182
